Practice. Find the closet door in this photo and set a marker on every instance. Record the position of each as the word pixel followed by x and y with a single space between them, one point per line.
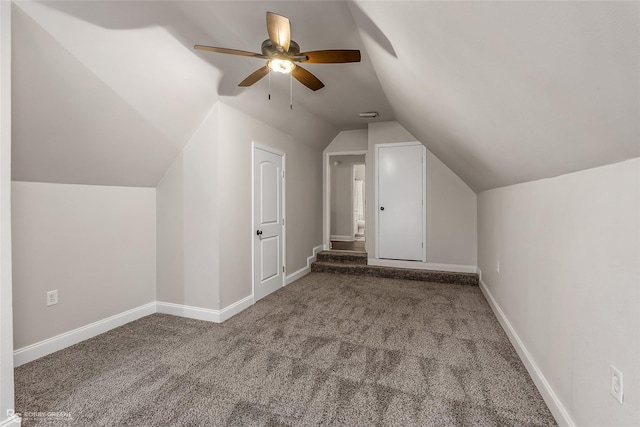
pixel 400 171
pixel 268 211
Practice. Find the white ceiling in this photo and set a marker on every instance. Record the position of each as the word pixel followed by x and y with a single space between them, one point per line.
pixel 502 92
pixel 508 92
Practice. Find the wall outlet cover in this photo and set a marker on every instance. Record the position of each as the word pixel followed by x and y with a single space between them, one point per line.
pixel 617 390
pixel 52 297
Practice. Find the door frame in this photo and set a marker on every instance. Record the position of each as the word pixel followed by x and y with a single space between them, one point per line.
pixel 424 194
pixel 326 183
pixel 353 198
pixel 254 146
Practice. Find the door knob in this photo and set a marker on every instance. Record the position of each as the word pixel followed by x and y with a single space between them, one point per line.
pixel 381 208
pixel 259 233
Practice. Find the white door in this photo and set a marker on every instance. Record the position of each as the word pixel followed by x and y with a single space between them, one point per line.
pixel 268 207
pixel 401 184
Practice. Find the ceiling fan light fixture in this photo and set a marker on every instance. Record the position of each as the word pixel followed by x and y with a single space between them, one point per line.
pixel 283 66
pixel 282 54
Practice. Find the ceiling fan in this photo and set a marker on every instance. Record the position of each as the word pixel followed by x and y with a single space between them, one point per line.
pixel 283 55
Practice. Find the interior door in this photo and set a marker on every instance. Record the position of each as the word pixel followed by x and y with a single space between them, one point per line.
pixel 401 183
pixel 268 209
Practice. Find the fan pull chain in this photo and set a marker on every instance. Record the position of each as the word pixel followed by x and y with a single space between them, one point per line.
pixel 291 92
pixel 269 84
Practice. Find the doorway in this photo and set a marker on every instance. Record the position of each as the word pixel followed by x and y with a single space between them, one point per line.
pixel 347 222
pixel 268 220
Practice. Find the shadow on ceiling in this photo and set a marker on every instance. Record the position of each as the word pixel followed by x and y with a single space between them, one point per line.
pixel 174 17
pixel 365 24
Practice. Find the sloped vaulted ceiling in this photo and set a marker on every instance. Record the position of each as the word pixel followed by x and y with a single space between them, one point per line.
pixel 110 92
pixel 502 92
pixel 508 92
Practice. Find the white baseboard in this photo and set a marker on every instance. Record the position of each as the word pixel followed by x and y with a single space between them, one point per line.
pixel 342 238
pixel 455 268
pixel 231 310
pixel 304 270
pixel 12 421
pixel 188 311
pixel 207 314
pixel 297 275
pixel 35 351
pixel 51 345
pixel 553 402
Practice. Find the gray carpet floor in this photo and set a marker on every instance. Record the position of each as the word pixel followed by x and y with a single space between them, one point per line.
pixel 326 350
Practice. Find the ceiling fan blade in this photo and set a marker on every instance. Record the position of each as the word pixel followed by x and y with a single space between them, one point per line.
pixel 229 51
pixel 331 56
pixel 306 78
pixel 279 30
pixel 255 76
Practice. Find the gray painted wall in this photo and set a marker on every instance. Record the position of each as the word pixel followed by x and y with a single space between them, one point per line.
pixel 94 244
pixel 187 211
pixel 451 204
pixel 451 216
pixel 6 318
pixel 569 253
pixel 348 140
pixel 303 214
pixel 205 222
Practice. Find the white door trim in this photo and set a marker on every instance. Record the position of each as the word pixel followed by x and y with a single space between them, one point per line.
pixel 353 198
pixel 424 194
pixel 254 146
pixel 326 184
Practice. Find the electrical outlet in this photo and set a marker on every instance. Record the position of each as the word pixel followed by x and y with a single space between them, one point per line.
pixel 616 385
pixel 52 297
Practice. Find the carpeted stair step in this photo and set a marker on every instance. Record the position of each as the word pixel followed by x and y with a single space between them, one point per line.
pixel 470 279
pixel 342 257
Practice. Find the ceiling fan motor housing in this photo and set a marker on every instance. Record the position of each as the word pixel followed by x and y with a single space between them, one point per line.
pixel 269 50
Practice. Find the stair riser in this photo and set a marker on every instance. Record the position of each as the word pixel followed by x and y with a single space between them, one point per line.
pixel 343 259
pixel 404 274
